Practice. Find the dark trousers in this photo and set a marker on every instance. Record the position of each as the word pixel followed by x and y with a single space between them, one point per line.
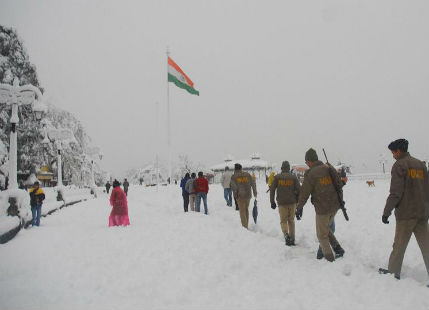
pixel 185 201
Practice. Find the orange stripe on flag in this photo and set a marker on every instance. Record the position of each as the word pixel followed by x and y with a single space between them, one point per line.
pixel 175 66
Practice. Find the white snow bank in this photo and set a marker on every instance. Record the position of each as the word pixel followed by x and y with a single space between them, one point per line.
pixel 8 223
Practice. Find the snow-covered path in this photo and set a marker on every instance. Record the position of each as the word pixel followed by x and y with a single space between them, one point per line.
pixel 169 259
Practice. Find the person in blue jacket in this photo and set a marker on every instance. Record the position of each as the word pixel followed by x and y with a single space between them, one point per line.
pixel 185 194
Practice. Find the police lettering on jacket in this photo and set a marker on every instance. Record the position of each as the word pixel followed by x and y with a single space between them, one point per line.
pixel 287 187
pixel 242 185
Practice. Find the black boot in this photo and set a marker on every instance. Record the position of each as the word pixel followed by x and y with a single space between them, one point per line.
pixel 287 239
pixel 339 251
pixel 319 255
pixel 386 271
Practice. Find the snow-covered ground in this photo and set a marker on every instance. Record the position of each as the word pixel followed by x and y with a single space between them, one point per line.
pixel 168 259
pixel 71 194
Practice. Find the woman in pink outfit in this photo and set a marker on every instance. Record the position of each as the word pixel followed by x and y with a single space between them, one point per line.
pixel 118 200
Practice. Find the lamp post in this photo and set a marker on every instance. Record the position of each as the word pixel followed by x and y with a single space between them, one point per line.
pixel 82 160
pixel 94 152
pixel 16 96
pixel 57 136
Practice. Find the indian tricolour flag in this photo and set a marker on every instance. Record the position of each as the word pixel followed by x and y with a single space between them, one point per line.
pixel 178 77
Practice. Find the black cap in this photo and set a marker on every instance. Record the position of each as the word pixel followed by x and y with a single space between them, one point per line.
pixel 400 144
pixel 237 166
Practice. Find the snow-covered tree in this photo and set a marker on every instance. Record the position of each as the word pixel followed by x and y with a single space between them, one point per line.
pixel 32 153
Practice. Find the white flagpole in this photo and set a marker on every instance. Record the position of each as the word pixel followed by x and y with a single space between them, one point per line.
pixel 157 146
pixel 168 121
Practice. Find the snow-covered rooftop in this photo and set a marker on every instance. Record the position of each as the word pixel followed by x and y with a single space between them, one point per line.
pixel 255 162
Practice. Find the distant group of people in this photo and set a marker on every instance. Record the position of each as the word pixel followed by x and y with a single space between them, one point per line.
pixel 193 191
pixel 126 185
pixel 409 197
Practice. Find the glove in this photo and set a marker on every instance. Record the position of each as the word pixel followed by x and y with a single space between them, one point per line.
pixel 273 206
pixel 298 214
pixel 384 219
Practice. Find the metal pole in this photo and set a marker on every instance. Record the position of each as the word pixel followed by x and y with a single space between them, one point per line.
pixel 157 146
pixel 60 172
pixel 92 174
pixel 168 121
pixel 13 149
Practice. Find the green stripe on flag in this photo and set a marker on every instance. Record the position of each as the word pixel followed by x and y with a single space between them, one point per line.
pixel 191 90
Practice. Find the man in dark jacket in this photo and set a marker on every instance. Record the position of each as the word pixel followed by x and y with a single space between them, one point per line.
pixel 201 190
pixel 287 187
pixel 126 185
pixel 108 186
pixel 319 184
pixel 185 193
pixel 36 200
pixel 409 196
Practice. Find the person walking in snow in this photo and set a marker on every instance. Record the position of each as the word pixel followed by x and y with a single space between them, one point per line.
pixel 118 201
pixel 409 197
pixel 107 186
pixel 126 185
pixel 225 180
pixel 190 188
pixel 36 200
pixel 242 186
pixel 287 187
pixel 270 180
pixel 319 184
pixel 201 190
pixel 185 193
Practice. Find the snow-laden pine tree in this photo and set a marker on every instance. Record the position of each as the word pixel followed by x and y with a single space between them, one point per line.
pixel 32 154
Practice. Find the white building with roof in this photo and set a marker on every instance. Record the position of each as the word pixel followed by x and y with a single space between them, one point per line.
pixel 254 164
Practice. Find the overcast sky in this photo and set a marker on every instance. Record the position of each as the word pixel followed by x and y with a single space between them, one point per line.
pixel 275 77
